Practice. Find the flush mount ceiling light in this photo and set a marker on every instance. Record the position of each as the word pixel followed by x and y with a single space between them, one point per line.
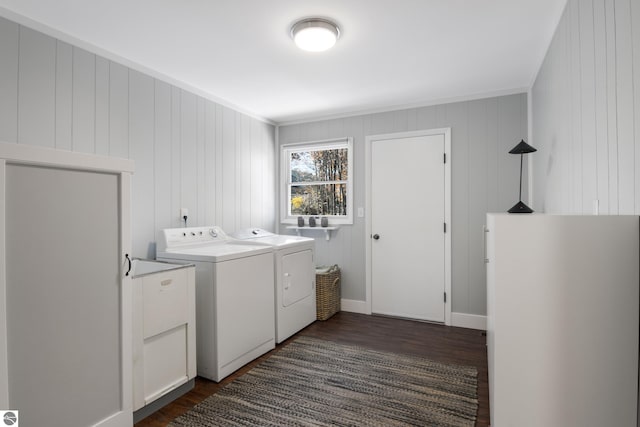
pixel 315 34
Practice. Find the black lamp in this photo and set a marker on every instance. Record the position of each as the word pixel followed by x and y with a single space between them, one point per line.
pixel 522 148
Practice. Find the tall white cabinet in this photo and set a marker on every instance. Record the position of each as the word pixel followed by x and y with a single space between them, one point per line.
pixel 562 320
pixel 65 295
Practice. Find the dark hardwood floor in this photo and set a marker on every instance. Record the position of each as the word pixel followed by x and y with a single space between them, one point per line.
pixel 436 342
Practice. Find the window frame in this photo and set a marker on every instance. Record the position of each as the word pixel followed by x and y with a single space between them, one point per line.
pixel 285 177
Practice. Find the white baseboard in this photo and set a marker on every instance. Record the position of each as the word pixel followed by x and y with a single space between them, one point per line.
pixel 353 306
pixel 471 321
pixel 461 320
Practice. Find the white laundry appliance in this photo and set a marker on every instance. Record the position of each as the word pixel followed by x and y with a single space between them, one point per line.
pixel 234 296
pixel 295 280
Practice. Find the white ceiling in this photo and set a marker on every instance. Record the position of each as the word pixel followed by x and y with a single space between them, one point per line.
pixel 391 53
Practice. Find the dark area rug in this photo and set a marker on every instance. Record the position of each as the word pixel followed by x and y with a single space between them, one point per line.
pixel 313 382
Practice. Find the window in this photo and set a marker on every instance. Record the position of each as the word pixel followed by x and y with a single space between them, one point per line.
pixel 317 179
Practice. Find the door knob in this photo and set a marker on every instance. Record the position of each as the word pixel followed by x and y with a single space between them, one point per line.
pixel 376 236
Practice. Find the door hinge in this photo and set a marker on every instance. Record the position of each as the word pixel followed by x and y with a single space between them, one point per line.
pixel 445 157
pixel 445 227
pixel 445 297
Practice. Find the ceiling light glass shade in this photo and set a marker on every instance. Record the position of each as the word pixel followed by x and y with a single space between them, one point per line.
pixel 315 34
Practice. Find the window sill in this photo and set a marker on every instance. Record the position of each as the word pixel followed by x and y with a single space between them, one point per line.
pixel 327 230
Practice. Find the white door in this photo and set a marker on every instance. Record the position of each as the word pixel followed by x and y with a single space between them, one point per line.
pixel 64 235
pixel 408 215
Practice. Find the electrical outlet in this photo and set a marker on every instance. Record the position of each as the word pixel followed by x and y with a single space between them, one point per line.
pixel 184 212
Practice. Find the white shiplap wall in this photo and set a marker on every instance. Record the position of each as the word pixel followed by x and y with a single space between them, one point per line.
pixel 586 111
pixel 188 151
pixel 484 179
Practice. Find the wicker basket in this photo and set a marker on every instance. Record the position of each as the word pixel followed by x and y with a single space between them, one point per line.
pixel 328 293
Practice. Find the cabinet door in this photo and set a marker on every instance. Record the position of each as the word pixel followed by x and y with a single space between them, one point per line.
pixel 297 280
pixel 67 300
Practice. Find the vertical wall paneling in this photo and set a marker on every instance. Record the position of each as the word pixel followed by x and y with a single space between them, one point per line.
pixel 9 45
pixel 590 132
pixel 635 30
pixel 84 101
pixel 612 102
pixel 64 96
pixel 562 147
pixel 228 169
pixel 36 89
pixel 200 161
pixel 575 199
pixel 458 119
pixel 353 237
pixel 624 112
pixel 441 114
pixel 164 214
pixel 401 120
pixel 412 119
pixel 210 156
pixel 255 160
pixel 601 119
pixel 189 165
pixel 141 133
pixel 102 107
pixel 541 161
pixel 238 146
pixel 491 156
pixel 544 163
pixel 484 179
pixel 118 110
pixel 269 182
pixel 219 153
pixel 478 187
pixel 588 112
pixel 184 147
pixel 426 118
pixel 244 170
pixel 506 189
pixel 565 150
pixel 176 157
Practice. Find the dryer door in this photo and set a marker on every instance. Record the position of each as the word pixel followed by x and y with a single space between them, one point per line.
pixel 297 280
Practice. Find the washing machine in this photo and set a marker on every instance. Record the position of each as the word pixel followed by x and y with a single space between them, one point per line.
pixel 295 280
pixel 235 316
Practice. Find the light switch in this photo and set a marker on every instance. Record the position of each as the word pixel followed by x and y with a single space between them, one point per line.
pixel 360 212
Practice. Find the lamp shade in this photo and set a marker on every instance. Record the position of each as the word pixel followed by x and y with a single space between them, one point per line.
pixel 522 148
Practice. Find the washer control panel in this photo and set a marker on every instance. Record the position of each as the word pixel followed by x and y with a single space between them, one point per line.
pixel 181 237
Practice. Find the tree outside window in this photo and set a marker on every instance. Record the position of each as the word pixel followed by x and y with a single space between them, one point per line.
pixel 318 179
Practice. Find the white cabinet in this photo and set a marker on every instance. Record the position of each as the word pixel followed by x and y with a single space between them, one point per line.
pixel 562 308
pixel 164 348
pixel 65 297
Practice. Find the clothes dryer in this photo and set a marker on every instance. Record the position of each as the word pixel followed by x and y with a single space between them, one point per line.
pixel 235 319
pixel 295 280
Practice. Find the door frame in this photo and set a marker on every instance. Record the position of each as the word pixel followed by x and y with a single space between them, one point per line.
pixel 40 156
pixel 369 139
